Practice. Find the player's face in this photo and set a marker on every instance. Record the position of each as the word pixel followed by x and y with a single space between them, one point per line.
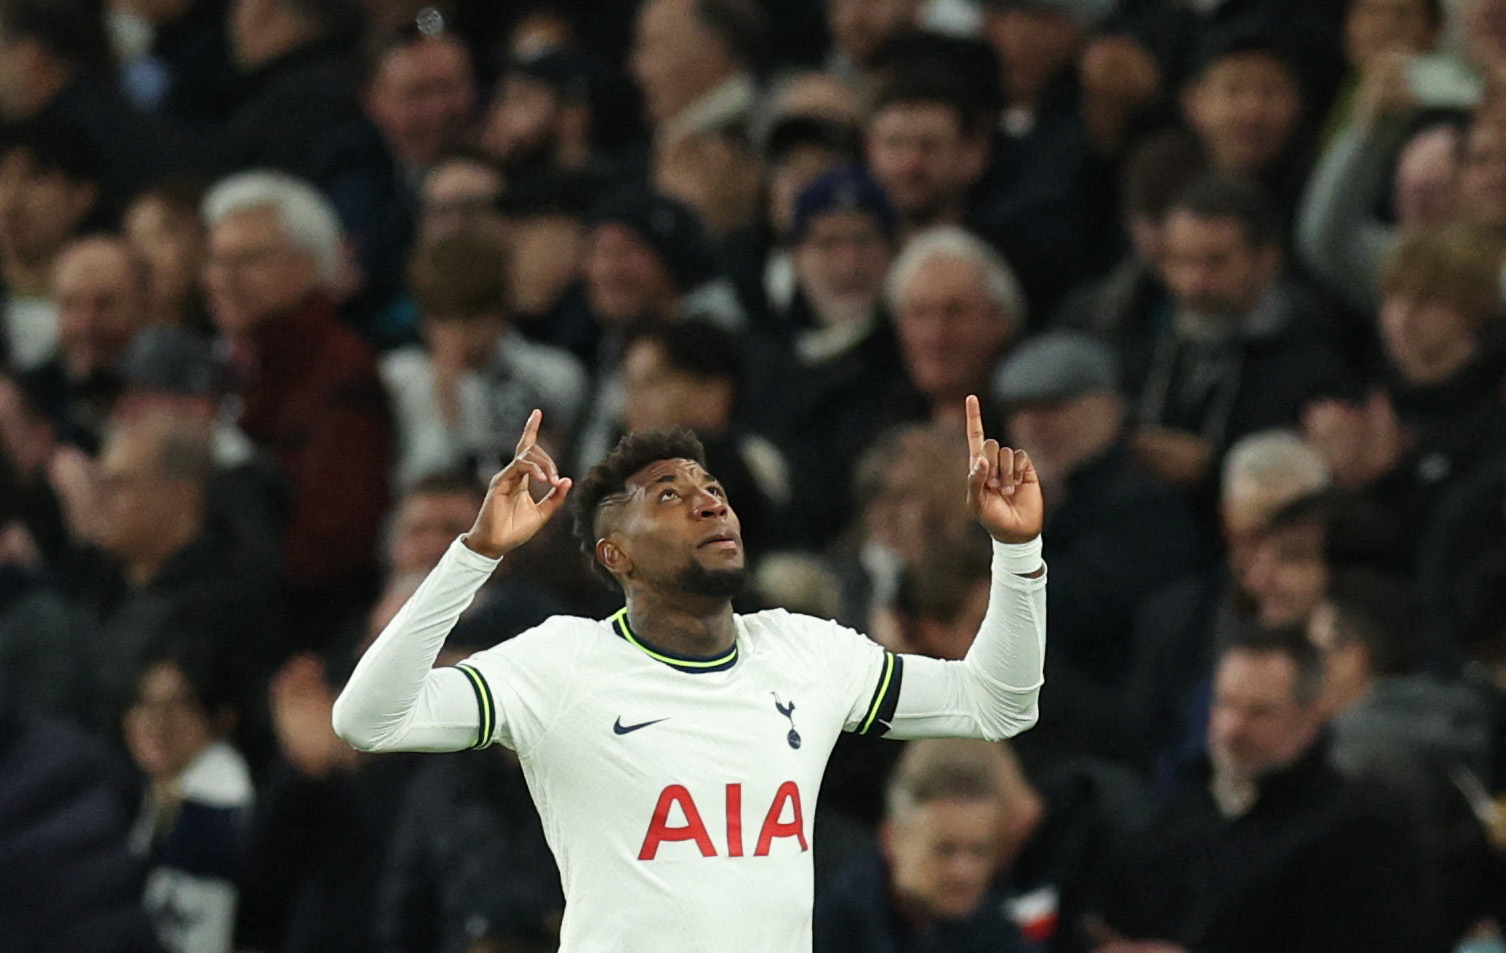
pixel 943 855
pixel 678 531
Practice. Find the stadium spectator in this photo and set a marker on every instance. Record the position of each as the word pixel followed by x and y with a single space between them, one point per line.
pixel 1436 414
pixel 941 844
pixel 428 516
pixel 49 189
pixel 1245 105
pixel 458 192
pixel 957 308
pixel 799 149
pixel 182 68
pixel 163 224
pixel 297 75
pixel 1261 846
pixel 163 567
pixel 540 119
pixel 56 62
pixel 693 60
pixel 417 102
pixel 1116 533
pixel 309 388
pixel 1240 353
pixel 457 398
pixel 198 792
pixel 837 336
pixel 71 886
pixel 100 287
pixel 545 222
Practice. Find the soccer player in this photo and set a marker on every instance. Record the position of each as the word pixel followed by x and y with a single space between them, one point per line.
pixel 675 750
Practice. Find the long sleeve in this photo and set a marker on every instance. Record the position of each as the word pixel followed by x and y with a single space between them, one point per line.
pixel 395 700
pixel 1338 235
pixel 993 692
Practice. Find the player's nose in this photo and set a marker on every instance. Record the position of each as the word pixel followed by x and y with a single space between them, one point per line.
pixel 710 506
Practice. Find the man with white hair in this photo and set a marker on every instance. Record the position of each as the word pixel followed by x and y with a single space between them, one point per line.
pixel 957 306
pixel 309 388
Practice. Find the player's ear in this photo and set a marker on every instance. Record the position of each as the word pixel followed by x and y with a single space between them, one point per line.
pixel 612 558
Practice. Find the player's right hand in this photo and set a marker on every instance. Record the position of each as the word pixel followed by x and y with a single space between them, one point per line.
pixel 510 515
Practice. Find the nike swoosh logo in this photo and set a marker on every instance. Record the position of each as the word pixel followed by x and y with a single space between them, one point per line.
pixel 622 729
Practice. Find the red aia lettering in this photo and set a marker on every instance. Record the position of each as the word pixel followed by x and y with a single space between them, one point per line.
pixel 659 830
pixel 773 827
pixel 694 829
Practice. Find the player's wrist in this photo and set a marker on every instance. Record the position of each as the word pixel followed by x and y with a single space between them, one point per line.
pixel 482 547
pixel 1021 559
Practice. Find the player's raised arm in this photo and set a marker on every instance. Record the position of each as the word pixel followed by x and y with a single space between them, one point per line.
pixel 395 700
pixel 993 692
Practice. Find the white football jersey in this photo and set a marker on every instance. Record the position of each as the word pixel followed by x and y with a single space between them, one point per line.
pixel 678 793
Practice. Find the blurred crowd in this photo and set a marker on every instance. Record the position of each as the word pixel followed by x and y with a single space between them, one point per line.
pixel 280 281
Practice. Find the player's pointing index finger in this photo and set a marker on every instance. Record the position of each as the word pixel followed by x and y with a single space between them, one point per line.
pixel 530 433
pixel 974 429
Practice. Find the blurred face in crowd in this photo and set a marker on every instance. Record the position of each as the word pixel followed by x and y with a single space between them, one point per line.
pixel 172 242
pixel 914 500
pixel 166 726
pixel 1245 510
pixel 1482 173
pixel 1483 30
pixel 135 499
pixel 1373 27
pixel 39 209
pixel 425 526
pixel 790 174
pixel 675 59
pixel 1427 176
pixel 1062 435
pixel 860 27
pixel 951 638
pixel 254 271
pixel 924 158
pixel 1346 665
pixel 660 395
pixel 1287 574
pixel 462 341
pixel 1257 724
pixel 1244 108
pixel 625 278
pixel 523 126
pixel 1428 342
pixel 840 263
pixel 943 854
pixel 951 330
pixel 545 259
pixel 100 292
pixel 458 194
pixel 1211 267
pixel 422 97
pixel 1034 44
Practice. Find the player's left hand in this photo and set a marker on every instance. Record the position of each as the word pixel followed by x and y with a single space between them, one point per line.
pixel 1003 490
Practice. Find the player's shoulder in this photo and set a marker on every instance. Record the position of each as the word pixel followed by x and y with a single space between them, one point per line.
pixel 782 627
pixel 552 637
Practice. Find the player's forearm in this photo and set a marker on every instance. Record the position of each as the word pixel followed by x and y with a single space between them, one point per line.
pixel 1007 658
pixel 395 700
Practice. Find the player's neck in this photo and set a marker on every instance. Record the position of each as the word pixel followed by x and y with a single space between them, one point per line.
pixel 686 625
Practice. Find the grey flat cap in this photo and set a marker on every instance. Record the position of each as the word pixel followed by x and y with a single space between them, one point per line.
pixel 1056 366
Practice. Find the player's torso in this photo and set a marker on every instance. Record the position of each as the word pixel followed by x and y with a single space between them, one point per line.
pixel 678 802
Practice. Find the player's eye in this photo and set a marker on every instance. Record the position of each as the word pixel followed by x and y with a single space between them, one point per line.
pixel 667 495
pixel 715 490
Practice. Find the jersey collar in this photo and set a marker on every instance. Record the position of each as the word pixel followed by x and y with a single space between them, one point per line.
pixel 694 664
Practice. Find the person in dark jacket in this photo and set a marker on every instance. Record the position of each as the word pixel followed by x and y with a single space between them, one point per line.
pixel 309 388
pixel 1262 846
pixel 1117 534
pixel 68 881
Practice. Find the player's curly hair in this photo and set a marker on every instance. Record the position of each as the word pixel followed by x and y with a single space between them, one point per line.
pixel 608 479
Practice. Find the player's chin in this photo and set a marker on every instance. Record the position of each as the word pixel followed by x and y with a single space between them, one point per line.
pixel 714 580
